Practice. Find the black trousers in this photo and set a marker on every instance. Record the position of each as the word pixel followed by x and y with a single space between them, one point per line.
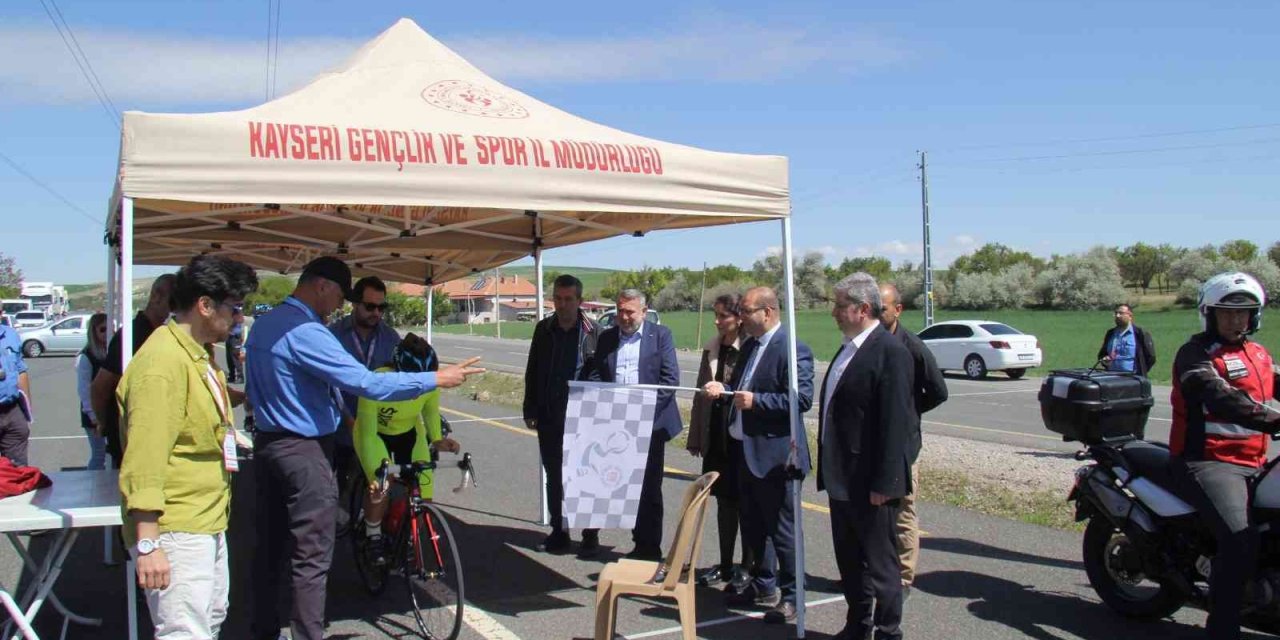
pixel 1220 493
pixel 551 449
pixel 648 529
pixel 866 545
pixel 234 370
pixel 297 503
pixel 15 433
pixel 767 508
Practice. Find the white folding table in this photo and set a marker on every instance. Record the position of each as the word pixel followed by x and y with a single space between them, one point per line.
pixel 76 500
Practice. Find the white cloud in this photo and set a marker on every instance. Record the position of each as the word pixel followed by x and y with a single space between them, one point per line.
pixel 139 68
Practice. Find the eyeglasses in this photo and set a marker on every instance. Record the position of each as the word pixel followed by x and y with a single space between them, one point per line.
pixel 237 307
pixel 371 307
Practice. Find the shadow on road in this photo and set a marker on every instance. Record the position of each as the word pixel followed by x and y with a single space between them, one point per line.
pixel 970 548
pixel 1037 614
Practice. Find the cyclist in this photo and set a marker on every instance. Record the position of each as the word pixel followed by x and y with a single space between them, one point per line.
pixel 1223 384
pixel 404 431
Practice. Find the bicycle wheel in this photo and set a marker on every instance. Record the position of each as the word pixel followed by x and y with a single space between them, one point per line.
pixel 433 571
pixel 353 489
pixel 373 576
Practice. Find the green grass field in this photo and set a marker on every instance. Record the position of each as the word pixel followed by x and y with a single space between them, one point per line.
pixel 592 278
pixel 1068 338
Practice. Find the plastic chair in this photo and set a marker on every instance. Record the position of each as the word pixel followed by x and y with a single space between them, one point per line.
pixel 658 579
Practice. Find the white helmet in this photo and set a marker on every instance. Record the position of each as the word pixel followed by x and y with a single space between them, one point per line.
pixel 1232 290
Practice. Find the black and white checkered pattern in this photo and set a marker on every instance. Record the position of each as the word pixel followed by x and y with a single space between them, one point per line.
pixel 606 443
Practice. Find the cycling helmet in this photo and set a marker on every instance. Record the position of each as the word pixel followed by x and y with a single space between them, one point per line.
pixel 1232 290
pixel 414 355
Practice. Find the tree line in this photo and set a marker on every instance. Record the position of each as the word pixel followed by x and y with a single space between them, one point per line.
pixel 994 276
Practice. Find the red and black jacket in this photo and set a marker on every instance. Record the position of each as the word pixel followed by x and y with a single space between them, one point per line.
pixel 1221 396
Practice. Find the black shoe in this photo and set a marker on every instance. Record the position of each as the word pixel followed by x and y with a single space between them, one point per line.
pixel 590 545
pixel 375 550
pixel 715 576
pixel 781 613
pixel 749 597
pixel 557 542
pixel 646 552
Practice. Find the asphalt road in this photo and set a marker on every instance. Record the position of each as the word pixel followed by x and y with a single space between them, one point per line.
pixel 994 410
pixel 981 577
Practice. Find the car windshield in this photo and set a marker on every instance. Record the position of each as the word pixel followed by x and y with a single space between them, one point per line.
pixel 30 315
pixel 997 329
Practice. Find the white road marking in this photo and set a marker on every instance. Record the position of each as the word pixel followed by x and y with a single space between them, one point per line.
pixel 470 420
pixel 726 620
pixel 990 393
pixel 56 438
pixel 465 348
pixel 518 353
pixel 474 617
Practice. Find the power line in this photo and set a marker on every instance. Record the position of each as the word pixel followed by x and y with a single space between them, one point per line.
pixel 42 185
pixel 82 61
pixel 1141 136
pixel 266 87
pixel 275 54
pixel 1087 154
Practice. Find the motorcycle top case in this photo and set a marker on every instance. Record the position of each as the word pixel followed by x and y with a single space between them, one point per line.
pixel 1094 406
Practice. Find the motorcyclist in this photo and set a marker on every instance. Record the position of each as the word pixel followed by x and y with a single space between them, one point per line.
pixel 1223 383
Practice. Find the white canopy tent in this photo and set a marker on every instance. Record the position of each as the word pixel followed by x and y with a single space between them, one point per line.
pixel 413 165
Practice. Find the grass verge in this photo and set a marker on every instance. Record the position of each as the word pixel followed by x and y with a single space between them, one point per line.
pixel 944 486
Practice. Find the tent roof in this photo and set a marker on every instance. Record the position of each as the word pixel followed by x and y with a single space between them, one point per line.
pixel 411 164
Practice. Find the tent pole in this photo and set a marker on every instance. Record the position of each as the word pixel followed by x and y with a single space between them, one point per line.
pixel 113 314
pixel 430 293
pixel 545 510
pixel 126 282
pixel 797 427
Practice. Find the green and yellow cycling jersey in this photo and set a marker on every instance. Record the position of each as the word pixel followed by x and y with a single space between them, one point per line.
pixel 378 423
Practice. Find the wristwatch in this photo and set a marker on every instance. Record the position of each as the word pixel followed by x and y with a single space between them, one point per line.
pixel 147 545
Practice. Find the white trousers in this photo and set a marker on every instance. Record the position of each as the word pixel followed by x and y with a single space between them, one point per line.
pixel 195 604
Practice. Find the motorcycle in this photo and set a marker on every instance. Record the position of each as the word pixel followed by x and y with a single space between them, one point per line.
pixel 1146 551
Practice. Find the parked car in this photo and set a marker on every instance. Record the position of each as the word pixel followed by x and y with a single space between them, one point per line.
pixel 978 346
pixel 26 319
pixel 64 336
pixel 609 318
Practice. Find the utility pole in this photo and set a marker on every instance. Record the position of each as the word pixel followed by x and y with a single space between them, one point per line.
pixel 702 298
pixel 928 244
pixel 497 309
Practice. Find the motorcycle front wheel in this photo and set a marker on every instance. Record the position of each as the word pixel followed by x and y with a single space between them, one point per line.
pixel 1114 567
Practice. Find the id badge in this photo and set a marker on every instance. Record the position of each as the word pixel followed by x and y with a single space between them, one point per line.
pixel 230 461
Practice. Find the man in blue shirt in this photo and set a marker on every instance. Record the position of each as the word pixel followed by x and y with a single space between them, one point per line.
pixel 371 341
pixel 1127 347
pixel 296 371
pixel 14 408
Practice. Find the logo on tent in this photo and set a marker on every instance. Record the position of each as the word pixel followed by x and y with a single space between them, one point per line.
pixel 460 96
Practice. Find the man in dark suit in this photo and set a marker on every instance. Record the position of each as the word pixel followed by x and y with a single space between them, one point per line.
pixel 563 344
pixel 760 430
pixel 639 352
pixel 929 389
pixel 1127 347
pixel 865 451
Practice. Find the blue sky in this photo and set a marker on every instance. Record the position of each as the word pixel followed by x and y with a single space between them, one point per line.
pixel 1051 126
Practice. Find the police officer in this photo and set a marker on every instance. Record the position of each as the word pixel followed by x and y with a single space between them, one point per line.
pixel 1222 384
pixel 15 398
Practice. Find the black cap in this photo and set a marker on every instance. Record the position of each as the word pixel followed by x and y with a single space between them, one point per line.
pixel 332 269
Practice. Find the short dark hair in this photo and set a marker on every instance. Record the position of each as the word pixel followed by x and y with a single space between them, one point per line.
pixel 730 302
pixel 367 282
pixel 564 281
pixel 217 277
pixel 1127 307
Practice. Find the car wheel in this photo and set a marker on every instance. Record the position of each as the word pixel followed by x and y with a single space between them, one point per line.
pixel 1016 373
pixel 32 349
pixel 974 367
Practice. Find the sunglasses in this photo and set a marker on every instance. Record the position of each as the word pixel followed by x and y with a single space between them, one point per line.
pixel 371 307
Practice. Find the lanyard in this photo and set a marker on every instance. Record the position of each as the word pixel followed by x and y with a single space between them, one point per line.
pixel 367 358
pixel 221 398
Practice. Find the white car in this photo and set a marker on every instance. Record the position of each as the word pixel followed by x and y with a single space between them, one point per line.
pixel 978 346
pixel 26 319
pixel 67 335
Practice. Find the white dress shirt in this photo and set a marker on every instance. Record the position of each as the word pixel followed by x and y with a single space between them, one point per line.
pixel 627 368
pixel 735 427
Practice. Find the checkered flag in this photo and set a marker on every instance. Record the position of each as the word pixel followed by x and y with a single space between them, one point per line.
pixel 606 444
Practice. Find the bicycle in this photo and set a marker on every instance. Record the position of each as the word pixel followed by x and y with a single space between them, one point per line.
pixel 422 550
